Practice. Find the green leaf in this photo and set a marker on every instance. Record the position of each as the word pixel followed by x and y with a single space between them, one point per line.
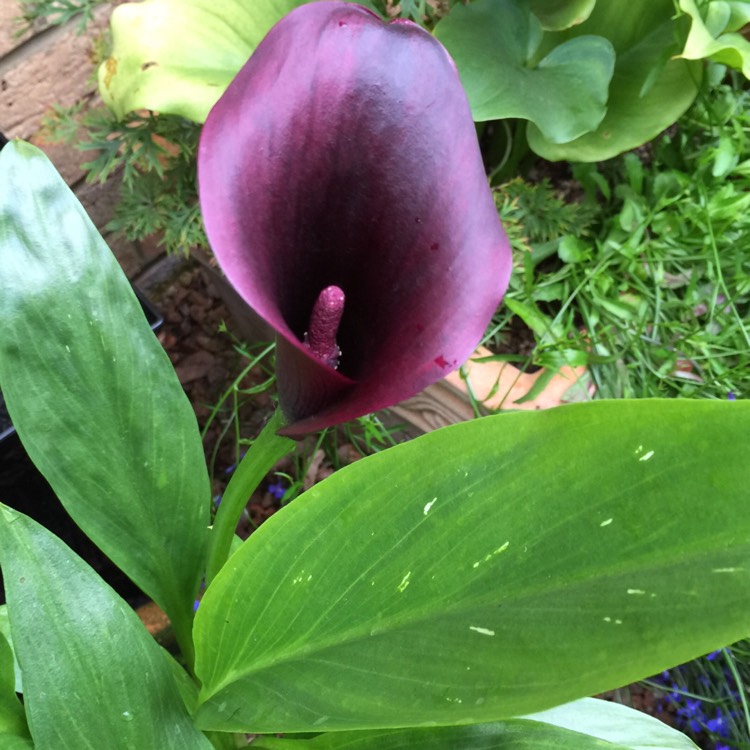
pixel 494 44
pixel 12 716
pixel 561 14
pixel 15 742
pixel 613 723
pixel 178 56
pixel 5 633
pixel 93 676
pixel 649 89
pixel 528 559
pixel 712 34
pixel 588 724
pixel 92 393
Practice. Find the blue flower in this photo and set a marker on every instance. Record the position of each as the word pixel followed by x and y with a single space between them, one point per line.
pixel 713 654
pixel 277 489
pixel 718 725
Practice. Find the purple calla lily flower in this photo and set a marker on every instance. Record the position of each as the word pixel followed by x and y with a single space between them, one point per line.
pixel 344 196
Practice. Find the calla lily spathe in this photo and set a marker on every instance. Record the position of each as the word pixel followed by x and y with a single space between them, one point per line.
pixel 344 155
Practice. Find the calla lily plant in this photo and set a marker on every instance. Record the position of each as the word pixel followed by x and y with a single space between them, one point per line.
pixel 344 155
pixel 466 589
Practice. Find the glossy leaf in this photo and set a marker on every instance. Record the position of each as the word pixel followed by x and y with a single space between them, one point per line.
pixel 93 676
pixel 587 724
pixel 178 56
pixel 716 35
pixel 649 89
pixel 92 393
pixel 494 44
pixel 561 14
pixel 314 170
pixel 557 554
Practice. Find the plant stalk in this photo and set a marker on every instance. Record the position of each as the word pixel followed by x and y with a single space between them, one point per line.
pixel 265 451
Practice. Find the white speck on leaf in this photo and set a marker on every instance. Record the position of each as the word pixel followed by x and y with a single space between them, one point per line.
pixel 67 348
pixel 607 619
pixel 646 456
pixel 727 570
pixel 429 505
pixel 404 582
pixel 481 631
pixel 492 554
pixel 636 591
pixel 606 523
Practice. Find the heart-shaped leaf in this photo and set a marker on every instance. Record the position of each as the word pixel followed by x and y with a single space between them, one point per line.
pixel 93 676
pixel 493 43
pixel 649 89
pixel 487 570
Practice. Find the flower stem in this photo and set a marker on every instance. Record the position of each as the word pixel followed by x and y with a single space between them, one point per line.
pixel 265 451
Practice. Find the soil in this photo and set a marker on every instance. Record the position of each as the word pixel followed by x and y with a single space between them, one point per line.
pixel 199 336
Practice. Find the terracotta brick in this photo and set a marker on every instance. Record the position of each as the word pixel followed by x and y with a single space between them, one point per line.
pixel 99 200
pixel 56 70
pixel 55 67
pixel 10 10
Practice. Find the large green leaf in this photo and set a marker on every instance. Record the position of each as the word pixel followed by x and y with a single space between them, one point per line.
pixel 92 393
pixel 649 89
pixel 486 570
pixel 713 33
pixel 93 676
pixel 178 56
pixel 493 43
pixel 587 724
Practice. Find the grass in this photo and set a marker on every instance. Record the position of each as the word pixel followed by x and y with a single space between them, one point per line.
pixel 708 697
pixel 646 277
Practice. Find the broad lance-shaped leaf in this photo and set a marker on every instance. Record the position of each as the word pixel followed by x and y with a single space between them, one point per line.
pixel 587 724
pixel 527 560
pixel 93 676
pixel 494 44
pixel 91 391
pixel 344 155
pixel 178 56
